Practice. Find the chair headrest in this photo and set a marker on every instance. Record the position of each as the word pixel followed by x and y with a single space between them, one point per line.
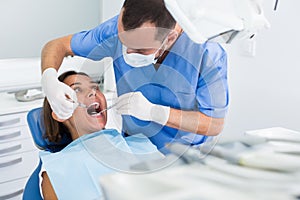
pixel 37 129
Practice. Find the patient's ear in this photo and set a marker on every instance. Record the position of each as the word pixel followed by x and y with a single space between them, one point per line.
pixel 56 118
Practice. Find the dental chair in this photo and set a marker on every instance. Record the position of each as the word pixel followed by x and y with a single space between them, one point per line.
pixel 36 126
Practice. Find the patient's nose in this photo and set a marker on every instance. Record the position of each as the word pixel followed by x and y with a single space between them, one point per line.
pixel 92 93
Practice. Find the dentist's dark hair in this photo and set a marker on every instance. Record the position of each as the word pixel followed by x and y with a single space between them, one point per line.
pixel 55 131
pixel 137 12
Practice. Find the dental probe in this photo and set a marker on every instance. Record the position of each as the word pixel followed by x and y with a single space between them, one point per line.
pixel 82 105
pixel 78 103
pixel 108 108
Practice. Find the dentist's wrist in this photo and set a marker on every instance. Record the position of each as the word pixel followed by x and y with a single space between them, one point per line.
pixel 48 75
pixel 50 72
pixel 160 114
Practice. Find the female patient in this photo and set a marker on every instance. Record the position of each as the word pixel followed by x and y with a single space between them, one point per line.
pixel 73 173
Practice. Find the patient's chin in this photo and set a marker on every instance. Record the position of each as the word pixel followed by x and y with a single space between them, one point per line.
pixel 102 126
pixel 98 126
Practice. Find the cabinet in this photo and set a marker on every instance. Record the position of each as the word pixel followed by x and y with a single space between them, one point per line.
pixel 18 154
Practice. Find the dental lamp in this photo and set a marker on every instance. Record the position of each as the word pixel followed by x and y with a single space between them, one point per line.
pixel 220 20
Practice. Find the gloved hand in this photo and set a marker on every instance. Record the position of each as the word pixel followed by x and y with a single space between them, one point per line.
pixel 135 104
pixel 60 96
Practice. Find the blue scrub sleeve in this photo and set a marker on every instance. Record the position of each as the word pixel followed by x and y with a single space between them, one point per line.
pixel 212 89
pixel 96 43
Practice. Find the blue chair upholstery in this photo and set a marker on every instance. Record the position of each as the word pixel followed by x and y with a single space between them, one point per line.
pixel 32 190
pixel 36 126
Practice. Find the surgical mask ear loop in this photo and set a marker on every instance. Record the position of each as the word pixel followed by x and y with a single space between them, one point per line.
pixel 174 34
pixel 160 55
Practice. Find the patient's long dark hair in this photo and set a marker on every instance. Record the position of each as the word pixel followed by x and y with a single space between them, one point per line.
pixel 55 130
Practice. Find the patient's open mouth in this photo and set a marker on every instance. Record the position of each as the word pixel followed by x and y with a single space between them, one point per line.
pixel 94 109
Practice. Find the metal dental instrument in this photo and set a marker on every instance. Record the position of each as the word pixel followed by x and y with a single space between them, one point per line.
pixel 85 106
pixel 108 108
pixel 78 103
pixel 82 105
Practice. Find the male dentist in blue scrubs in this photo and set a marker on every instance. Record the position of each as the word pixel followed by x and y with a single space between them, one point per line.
pixel 169 88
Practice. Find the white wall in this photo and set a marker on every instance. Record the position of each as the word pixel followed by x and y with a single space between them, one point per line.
pixel 265 89
pixel 26 25
pixel 111 8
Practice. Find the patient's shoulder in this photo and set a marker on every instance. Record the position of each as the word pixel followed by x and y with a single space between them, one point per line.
pixel 47 189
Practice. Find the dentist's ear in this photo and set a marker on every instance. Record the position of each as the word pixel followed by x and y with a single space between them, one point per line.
pixel 172 37
pixel 56 118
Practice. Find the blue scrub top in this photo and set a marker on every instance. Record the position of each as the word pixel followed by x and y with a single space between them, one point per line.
pixel 193 77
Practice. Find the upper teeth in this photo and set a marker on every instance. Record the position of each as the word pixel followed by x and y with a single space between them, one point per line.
pixel 92 109
pixel 96 104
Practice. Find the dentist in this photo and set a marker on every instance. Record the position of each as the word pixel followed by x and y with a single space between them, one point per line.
pixel 170 88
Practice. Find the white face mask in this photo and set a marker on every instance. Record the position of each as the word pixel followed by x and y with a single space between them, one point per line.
pixel 140 60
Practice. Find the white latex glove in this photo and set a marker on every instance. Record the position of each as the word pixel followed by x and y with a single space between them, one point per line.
pixel 57 93
pixel 136 105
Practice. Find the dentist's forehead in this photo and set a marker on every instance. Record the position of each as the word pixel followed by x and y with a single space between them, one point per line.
pixel 140 38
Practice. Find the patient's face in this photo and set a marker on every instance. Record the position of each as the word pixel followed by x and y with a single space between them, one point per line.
pixel 88 93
